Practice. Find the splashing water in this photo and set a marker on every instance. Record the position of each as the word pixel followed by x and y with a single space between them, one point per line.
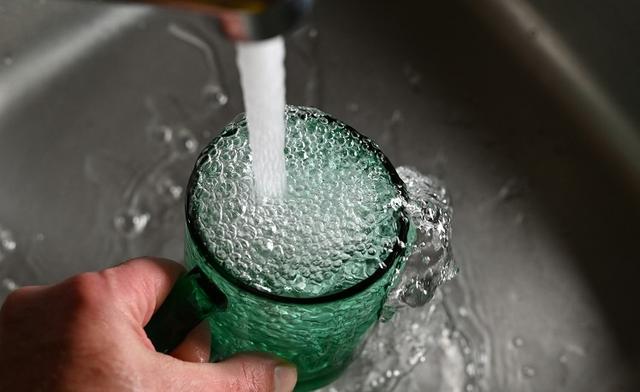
pixel 431 262
pixel 426 340
pixel 262 77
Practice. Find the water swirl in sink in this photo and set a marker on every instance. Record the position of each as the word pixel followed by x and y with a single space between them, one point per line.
pixel 430 349
pixel 431 339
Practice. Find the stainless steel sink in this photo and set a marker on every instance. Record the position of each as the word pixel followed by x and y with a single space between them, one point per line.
pixel 103 109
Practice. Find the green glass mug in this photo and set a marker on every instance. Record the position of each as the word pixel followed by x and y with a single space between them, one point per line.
pixel 319 334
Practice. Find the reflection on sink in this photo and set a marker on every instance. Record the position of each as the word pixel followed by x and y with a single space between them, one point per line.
pixel 99 131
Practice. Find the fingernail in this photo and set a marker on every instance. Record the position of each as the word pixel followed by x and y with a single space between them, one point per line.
pixel 202 342
pixel 285 377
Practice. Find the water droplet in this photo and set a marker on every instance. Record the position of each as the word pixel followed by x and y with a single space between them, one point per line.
pixel 185 142
pixel 413 76
pixel 518 342
pixel 6 240
pixel 162 133
pixel 10 284
pixel 462 311
pixel 396 119
pixel 470 369
pixel 390 134
pixel 167 188
pixel 353 107
pixel 8 60
pixel 511 189
pixel 131 222
pixel 528 371
pixel 7 243
pixel 214 96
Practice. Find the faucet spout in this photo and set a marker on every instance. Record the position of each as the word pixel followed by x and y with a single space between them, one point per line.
pixel 245 20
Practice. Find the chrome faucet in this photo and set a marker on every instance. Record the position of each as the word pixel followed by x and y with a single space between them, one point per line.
pixel 245 20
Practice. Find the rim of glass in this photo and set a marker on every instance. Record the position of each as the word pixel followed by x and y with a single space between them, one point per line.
pixel 383 268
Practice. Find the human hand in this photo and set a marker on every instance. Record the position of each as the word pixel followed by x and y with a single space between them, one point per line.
pixel 87 334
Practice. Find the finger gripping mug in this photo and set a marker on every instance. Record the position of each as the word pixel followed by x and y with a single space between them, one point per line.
pixel 303 278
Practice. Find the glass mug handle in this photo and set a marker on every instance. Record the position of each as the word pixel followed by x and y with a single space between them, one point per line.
pixel 191 300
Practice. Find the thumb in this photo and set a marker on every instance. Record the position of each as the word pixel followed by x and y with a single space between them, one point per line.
pixel 241 373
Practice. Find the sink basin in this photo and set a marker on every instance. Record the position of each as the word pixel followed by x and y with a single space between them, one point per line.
pixel 103 110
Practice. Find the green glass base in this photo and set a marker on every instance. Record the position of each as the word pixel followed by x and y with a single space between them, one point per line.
pixel 317 382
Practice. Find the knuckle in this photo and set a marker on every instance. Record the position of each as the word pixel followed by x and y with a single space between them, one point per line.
pixel 86 292
pixel 13 304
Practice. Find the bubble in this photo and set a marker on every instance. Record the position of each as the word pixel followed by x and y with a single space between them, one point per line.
pixel 214 96
pixel 7 243
pixel 167 188
pixel 413 76
pixel 470 369
pixel 512 189
pixel 9 284
pixel 161 133
pixel 131 222
pixel 312 33
pixel 528 371
pixel 185 142
pixel 518 342
pixel 418 291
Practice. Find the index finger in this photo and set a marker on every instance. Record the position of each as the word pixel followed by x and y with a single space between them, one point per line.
pixel 142 285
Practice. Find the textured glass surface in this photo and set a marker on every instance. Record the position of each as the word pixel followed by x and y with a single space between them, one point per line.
pixel 336 226
pixel 321 339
